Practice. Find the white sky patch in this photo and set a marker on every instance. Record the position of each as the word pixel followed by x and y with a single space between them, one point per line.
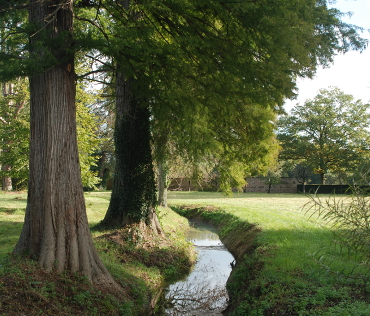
pixel 351 71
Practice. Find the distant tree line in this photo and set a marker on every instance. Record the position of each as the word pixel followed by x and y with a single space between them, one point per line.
pixel 327 139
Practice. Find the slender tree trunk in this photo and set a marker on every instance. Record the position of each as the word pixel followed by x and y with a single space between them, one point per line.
pixel 56 231
pixel 6 184
pixel 133 194
pixel 162 184
pixel 322 178
pixel 6 181
pixel 269 187
pixel 161 147
pixel 102 164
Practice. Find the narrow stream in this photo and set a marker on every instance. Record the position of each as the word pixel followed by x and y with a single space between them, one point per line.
pixel 203 292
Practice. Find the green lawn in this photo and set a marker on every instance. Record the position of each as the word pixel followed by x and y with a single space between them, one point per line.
pixel 12 211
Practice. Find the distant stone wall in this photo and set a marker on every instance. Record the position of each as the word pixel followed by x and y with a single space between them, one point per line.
pixel 287 185
pixel 181 184
pixel 185 184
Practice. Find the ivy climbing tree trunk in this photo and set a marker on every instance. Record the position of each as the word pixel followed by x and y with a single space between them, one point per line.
pixel 56 231
pixel 134 196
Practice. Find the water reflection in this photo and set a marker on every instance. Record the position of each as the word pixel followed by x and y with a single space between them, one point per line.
pixel 203 292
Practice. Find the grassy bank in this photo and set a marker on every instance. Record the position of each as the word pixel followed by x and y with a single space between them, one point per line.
pixel 287 264
pixel 139 263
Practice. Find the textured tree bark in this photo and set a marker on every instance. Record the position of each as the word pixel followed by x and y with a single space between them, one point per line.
pixel 133 194
pixel 56 231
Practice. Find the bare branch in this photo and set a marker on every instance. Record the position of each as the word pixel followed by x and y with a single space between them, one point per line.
pixel 13 56
pixel 93 24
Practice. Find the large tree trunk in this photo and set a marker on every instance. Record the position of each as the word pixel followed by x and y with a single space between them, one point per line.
pixel 56 231
pixel 134 192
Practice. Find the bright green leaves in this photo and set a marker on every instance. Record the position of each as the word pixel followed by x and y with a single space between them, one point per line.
pixel 14 132
pixel 87 136
pixel 13 44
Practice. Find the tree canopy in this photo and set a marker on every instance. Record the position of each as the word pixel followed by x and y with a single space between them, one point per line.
pixel 213 72
pixel 329 132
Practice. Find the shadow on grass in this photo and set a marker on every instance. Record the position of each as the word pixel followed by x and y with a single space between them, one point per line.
pixel 28 290
pixel 132 246
pixel 10 211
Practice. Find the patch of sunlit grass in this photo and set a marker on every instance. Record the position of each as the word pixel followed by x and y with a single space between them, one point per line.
pixel 12 210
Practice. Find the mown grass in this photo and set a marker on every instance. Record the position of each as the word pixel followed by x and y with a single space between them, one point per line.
pixel 141 268
pixel 12 211
pixel 294 268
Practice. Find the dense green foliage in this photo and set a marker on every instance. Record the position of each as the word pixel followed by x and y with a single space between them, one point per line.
pixel 327 133
pixel 212 102
pixel 14 132
pixel 87 136
pixel 213 72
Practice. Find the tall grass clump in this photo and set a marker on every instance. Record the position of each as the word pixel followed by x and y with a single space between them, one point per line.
pixel 349 220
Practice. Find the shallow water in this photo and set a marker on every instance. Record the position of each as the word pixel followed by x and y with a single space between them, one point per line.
pixel 203 292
